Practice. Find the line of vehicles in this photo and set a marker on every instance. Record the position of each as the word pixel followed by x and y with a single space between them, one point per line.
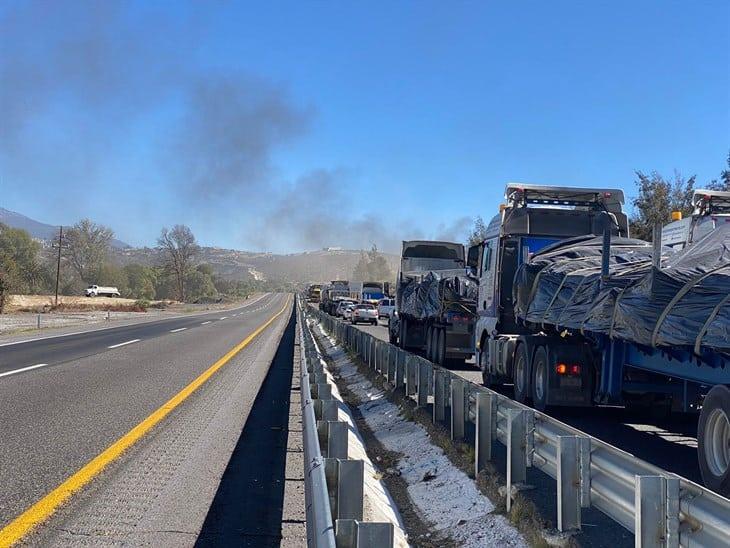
pixel 452 304
pixel 356 302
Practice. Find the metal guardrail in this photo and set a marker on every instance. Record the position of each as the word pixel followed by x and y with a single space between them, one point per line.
pixel 333 484
pixel 660 508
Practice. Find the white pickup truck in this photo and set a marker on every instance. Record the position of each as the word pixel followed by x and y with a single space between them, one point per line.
pixel 100 291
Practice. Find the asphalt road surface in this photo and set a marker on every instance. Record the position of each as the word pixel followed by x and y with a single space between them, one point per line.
pixel 669 443
pixel 97 387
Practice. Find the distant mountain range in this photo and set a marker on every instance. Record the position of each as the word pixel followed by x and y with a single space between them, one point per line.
pixel 39 230
pixel 306 267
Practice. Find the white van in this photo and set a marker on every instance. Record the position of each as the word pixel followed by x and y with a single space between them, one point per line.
pixel 100 291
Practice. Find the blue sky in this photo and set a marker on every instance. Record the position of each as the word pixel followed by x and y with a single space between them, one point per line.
pixel 363 122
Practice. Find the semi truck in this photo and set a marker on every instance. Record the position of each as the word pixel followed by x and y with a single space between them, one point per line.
pixel 435 308
pixel 572 312
pixel 367 292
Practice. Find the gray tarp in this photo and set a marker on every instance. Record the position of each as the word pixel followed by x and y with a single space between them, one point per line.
pixel 561 286
pixel 427 296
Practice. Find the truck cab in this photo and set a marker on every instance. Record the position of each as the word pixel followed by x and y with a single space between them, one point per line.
pixel 711 208
pixel 533 218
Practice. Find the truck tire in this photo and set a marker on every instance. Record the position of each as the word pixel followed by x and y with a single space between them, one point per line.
pixel 713 440
pixel 440 346
pixel 483 357
pixel 519 374
pixel 540 379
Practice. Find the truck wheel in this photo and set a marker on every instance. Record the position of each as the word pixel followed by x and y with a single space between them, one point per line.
pixel 487 377
pixel 519 374
pixel 713 440
pixel 540 379
pixel 440 346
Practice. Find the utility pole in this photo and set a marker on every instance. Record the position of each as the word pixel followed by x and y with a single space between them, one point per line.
pixel 58 265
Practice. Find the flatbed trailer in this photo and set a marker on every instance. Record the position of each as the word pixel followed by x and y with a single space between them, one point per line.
pixel 550 365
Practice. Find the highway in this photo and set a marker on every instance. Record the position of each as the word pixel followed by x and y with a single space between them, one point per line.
pixel 669 443
pixel 126 419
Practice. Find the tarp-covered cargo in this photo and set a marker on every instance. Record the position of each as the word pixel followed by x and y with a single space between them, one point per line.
pixel 431 295
pixel 685 303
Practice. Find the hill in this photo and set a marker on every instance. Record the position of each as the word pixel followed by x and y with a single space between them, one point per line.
pixel 38 230
pixel 306 267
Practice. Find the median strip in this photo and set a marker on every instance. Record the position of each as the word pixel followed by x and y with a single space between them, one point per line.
pixel 124 343
pixel 8 373
pixel 47 506
pixel 178 329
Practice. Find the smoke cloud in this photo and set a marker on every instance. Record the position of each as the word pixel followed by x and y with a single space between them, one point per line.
pixel 99 101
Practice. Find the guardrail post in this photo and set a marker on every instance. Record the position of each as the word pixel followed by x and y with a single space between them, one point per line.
pixel 350 487
pixel 400 367
pixel 424 381
pixel 584 452
pixel 485 416
pixel 569 482
pixel 391 363
pixel 410 375
pixel 336 440
pixel 457 409
pixel 439 396
pixel 516 454
pixel 351 533
pixel 656 511
pixel 322 391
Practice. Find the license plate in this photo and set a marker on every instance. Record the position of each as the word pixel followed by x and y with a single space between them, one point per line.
pixel 570 382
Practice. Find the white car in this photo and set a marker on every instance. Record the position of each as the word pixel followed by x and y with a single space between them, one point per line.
pixel 385 307
pixel 101 291
pixel 343 304
pixel 365 313
pixel 347 314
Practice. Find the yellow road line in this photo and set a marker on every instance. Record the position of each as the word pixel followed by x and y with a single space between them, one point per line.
pixel 45 507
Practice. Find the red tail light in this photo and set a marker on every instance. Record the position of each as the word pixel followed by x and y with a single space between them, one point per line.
pixel 561 369
pixel 575 369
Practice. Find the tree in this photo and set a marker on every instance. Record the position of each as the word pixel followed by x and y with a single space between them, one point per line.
pixel 372 267
pixel 724 181
pixel 87 248
pixel 378 267
pixel 199 283
pixel 19 265
pixel 478 232
pixel 179 249
pixel 360 273
pixel 656 200
pixel 141 280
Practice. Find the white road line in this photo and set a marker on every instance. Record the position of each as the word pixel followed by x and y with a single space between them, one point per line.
pixel 124 343
pixel 205 323
pixel 178 329
pixel 224 317
pixel 7 373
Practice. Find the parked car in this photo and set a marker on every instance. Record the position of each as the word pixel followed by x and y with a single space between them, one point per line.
pixel 347 314
pixel 341 306
pixel 385 307
pixel 365 313
pixel 101 291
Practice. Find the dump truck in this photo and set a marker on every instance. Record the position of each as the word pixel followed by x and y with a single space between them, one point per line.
pixel 573 312
pixel 435 310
